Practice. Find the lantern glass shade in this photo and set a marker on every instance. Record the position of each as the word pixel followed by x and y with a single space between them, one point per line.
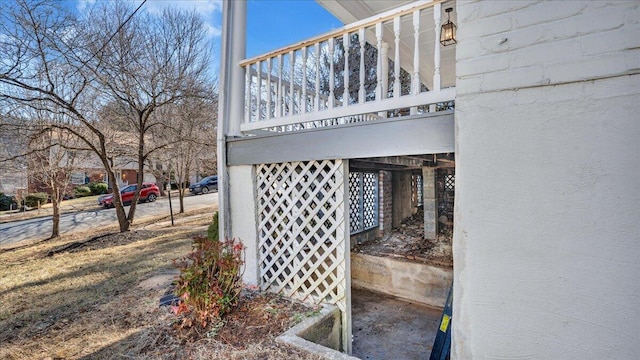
pixel 448 31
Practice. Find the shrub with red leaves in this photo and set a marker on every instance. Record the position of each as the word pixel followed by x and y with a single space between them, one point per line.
pixel 210 281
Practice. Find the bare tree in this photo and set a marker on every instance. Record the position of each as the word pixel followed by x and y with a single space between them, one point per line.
pixel 195 127
pixel 152 63
pixel 52 165
pixel 191 124
pixel 55 62
pixel 44 149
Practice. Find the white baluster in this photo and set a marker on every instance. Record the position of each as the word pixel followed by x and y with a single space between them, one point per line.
pixel 346 43
pixel 437 19
pixel 300 100
pixel 331 73
pixel 269 99
pixel 437 10
pixel 259 91
pixel 292 98
pixel 247 96
pixel 384 62
pixel 317 98
pixel 304 80
pixel 415 78
pixel 361 92
pixel 280 97
pixel 396 58
pixel 379 62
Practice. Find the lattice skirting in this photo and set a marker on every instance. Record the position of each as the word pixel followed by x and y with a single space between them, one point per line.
pixel 302 230
pixel 363 201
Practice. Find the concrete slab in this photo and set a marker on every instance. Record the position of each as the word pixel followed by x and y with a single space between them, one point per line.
pixel 385 327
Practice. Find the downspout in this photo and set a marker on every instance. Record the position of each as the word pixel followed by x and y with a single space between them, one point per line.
pixel 231 98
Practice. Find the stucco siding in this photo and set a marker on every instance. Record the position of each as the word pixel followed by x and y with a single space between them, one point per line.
pixel 242 201
pixel 546 240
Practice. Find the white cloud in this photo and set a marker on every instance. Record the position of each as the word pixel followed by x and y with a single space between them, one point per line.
pixel 213 31
pixel 82 4
pixel 203 7
pixel 210 10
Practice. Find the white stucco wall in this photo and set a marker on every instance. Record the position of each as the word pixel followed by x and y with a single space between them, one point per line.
pixel 242 201
pixel 547 233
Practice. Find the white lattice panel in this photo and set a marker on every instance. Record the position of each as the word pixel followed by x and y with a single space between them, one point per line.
pixel 354 203
pixel 363 201
pixel 302 237
pixel 416 190
pixel 450 182
pixel 369 200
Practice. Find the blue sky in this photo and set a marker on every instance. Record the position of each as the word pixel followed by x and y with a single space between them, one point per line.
pixel 271 24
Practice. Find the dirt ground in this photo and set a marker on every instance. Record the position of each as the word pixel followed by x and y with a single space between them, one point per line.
pixel 407 242
pixel 88 296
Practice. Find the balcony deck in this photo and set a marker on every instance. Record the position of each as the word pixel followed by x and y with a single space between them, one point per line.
pixel 386 66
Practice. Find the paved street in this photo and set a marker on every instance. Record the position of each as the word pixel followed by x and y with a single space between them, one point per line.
pixel 40 228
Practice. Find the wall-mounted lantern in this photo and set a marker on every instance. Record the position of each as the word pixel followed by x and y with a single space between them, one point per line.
pixel 448 30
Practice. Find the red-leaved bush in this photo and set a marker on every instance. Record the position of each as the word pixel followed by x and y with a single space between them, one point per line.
pixel 210 281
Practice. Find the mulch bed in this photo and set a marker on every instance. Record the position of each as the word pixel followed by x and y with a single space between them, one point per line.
pixel 260 316
pixel 255 323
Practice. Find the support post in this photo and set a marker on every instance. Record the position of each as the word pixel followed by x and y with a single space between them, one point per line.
pixel 429 203
pixel 347 334
pixel 231 105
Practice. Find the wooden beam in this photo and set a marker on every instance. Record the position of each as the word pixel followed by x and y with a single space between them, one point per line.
pixel 404 161
pixel 355 165
pixel 431 133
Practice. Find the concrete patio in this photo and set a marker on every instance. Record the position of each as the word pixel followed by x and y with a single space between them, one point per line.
pixel 385 327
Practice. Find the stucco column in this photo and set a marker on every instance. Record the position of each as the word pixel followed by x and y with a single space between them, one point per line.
pixel 231 97
pixel 429 203
pixel 235 45
pixel 244 218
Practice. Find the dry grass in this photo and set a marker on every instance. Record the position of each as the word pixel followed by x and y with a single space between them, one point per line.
pixel 87 303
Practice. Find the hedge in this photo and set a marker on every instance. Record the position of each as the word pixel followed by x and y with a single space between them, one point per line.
pixel 6 201
pixel 33 199
pixel 98 188
pixel 82 191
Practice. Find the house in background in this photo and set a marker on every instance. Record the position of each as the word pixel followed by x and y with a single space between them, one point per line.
pixel 532 112
pixel 88 168
pixel 13 173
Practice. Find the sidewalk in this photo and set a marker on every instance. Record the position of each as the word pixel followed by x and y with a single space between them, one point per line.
pixel 67 206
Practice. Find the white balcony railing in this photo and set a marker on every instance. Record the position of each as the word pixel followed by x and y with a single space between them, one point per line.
pixel 382 66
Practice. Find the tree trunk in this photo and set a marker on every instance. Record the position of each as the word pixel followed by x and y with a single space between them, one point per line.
pixel 141 160
pixel 55 231
pixel 181 196
pixel 183 183
pixel 123 222
pixel 159 174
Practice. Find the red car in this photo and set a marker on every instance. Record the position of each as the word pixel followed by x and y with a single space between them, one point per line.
pixel 149 192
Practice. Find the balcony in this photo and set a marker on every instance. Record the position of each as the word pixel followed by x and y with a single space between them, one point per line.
pixel 386 66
